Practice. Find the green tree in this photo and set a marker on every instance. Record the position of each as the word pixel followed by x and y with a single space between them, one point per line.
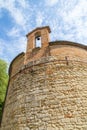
pixel 3 82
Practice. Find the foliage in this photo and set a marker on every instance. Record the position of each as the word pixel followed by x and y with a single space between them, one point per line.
pixel 3 82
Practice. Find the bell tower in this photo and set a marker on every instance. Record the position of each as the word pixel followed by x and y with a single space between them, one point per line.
pixel 39 39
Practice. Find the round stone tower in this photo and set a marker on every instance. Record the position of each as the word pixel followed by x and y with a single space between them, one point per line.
pixel 48 86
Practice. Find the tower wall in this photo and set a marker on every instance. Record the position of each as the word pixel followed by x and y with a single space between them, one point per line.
pixel 49 92
pixel 53 96
pixel 16 64
pixel 31 41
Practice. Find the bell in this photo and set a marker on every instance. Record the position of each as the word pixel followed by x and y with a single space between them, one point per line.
pixel 38 38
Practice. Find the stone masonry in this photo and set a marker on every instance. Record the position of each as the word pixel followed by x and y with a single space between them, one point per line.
pixel 47 87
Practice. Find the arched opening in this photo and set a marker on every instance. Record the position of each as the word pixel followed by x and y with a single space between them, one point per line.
pixel 38 39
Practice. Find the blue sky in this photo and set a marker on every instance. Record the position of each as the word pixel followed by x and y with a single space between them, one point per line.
pixel 66 18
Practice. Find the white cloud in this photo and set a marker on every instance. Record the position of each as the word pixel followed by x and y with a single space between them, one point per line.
pixel 69 20
pixel 51 2
pixel 39 19
pixel 14 32
pixel 17 9
pixel 78 11
pixel 21 44
pixel 17 39
pixel 1 47
pixel 24 4
pixel 9 51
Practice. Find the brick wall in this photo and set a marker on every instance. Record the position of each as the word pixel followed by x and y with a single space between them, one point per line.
pixel 16 64
pixel 71 52
pixel 51 95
